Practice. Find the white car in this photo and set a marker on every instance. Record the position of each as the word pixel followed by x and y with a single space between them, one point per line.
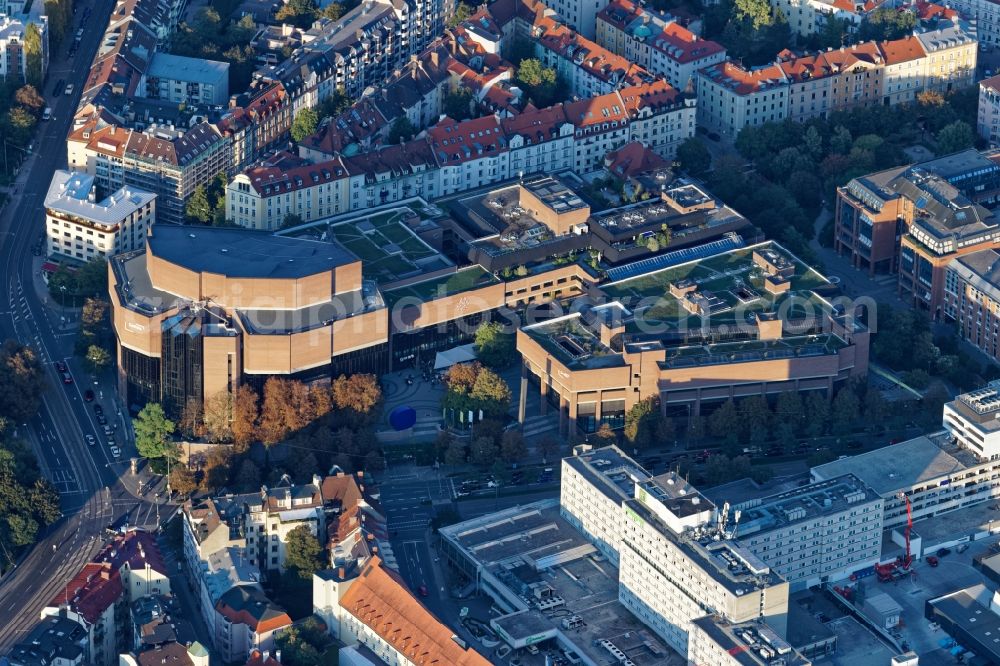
pixel 116 452
pixel 90 440
pixel 69 89
pixel 47 114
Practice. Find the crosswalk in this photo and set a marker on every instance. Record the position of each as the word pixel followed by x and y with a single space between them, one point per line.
pixel 539 425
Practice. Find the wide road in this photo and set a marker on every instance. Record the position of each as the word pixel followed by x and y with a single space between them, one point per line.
pixel 92 495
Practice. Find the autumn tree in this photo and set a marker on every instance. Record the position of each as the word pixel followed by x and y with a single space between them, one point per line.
pixel 217 469
pixel 217 417
pixel 284 409
pixel 33 55
pixel 28 96
pixel 21 381
pixel 182 480
pixel 245 415
pixel 359 393
pixel 483 451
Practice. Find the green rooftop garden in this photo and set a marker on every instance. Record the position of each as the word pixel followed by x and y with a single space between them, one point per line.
pixel 454 283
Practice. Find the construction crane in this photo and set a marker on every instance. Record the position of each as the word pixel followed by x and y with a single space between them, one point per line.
pixel 909 526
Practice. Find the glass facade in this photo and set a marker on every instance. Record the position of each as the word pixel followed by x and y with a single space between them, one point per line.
pixel 417 349
pixel 142 379
pixel 182 362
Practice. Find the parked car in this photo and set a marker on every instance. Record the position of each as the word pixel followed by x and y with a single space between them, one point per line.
pixel 962 548
pixel 98 409
pixel 57 90
pixel 943 552
pixel 423 590
pixel 90 440
pixel 88 395
pixel 47 113
pixel 69 89
pixel 61 366
pixel 108 431
pixel 932 561
pixel 67 378
pixel 115 451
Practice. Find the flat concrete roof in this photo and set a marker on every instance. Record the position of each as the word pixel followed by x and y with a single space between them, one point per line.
pixel 240 253
pixel 969 609
pixel 896 467
pixel 181 68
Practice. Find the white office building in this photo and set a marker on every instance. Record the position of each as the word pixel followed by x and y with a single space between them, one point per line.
pixel 973 421
pixel 81 227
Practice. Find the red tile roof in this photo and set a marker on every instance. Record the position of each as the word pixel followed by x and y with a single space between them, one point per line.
pixel 380 600
pixel 902 50
pixel 536 125
pixel 257 658
pixel 91 592
pixel 597 110
pixel 683 46
pixel 633 159
pixel 136 548
pixel 457 142
pixel 247 604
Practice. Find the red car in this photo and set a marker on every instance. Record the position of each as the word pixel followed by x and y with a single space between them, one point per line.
pixel 61 366
pixel 88 395
pixel 932 561
pixel 423 590
pixel 67 378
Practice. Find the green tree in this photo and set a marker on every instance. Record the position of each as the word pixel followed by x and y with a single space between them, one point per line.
pixel 332 11
pixel 846 410
pixel 694 157
pixel 955 137
pixel 305 124
pixel 33 55
pixel 21 381
pixel 483 451
pixel 462 13
pixel 512 447
pixel 152 433
pixel 291 220
pixel 401 130
pixel 790 410
pixel 334 104
pixel 886 24
pixel 539 81
pixel 641 422
pixel 458 104
pixel 20 124
pixel 455 454
pixel 756 417
pixel 92 278
pixel 98 358
pixel 303 552
pixel 817 407
pixel 494 347
pixel 724 423
pixel 198 209
pixel 300 13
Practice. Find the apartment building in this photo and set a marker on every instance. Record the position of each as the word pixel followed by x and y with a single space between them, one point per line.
pixel 181 80
pixel 820 533
pixel 258 124
pixel 128 568
pixel 988 115
pixel 365 604
pixel 56 640
pixel 986 14
pixel 360 49
pixel 246 620
pixel 656 42
pixel 457 156
pixel 13 63
pixel 80 227
pixel 170 163
pixel 972 299
pixel 731 97
pixel 917 219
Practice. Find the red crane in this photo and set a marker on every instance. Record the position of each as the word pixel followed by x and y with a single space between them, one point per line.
pixel 909 526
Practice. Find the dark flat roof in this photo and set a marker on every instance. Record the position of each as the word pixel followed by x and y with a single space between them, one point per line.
pixel 241 253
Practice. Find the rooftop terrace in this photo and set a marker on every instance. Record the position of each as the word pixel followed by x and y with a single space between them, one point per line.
pixel 721 289
pixel 819 499
pixel 464 279
pixel 384 241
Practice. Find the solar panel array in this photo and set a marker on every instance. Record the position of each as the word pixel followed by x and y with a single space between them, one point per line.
pixel 731 241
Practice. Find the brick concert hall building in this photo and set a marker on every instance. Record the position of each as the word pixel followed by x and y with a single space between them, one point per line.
pixel 201 310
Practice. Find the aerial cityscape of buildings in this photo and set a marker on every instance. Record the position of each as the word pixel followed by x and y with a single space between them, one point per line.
pixel 533 332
